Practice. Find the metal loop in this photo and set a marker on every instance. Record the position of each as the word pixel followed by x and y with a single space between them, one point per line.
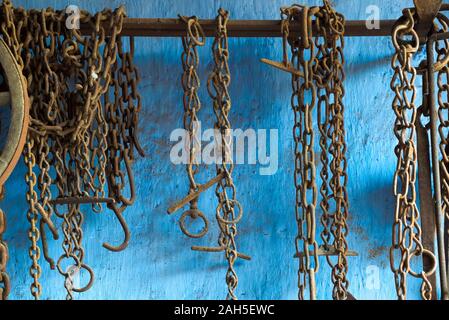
pixel 194 214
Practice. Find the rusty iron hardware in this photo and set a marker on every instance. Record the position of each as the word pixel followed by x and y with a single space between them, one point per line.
pixel 229 211
pixel 193 38
pixel 427 10
pixel 17 98
pixel 327 252
pixel 171 27
pixel 424 181
pixel 80 200
pixel 220 249
pixel 195 195
pixel 81 139
pixel 408 240
pixel 318 72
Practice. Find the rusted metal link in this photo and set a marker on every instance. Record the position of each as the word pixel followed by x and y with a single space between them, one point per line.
pixel 326 253
pixel 194 195
pixel 80 200
pixel 220 249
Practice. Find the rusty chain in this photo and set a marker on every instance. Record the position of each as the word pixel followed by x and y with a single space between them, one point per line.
pixel 303 59
pixel 190 81
pixel 407 243
pixel 76 129
pixel 229 211
pixel 316 66
pixel 333 23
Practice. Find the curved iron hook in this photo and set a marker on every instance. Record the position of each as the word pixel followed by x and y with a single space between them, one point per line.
pixel 118 214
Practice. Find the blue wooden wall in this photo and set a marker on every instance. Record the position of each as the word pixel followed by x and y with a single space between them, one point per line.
pixel 158 263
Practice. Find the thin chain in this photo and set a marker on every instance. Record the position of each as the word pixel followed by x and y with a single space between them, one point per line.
pixel 303 58
pixel 229 210
pixel 406 229
pixel 193 39
pixel 32 216
pixel 334 23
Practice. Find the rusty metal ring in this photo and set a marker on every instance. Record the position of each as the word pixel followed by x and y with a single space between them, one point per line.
pixel 194 214
pixel 91 279
pixel 66 256
pixel 234 221
pixel 423 273
pixel 403 24
pixel 19 112
pixel 196 32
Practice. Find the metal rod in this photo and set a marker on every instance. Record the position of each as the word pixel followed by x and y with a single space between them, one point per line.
pixel 157 27
pixel 201 188
pixel 436 168
pixel 427 207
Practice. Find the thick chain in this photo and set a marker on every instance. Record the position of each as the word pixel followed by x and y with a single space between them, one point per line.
pixel 334 36
pixel 69 75
pixel 406 229
pixel 303 59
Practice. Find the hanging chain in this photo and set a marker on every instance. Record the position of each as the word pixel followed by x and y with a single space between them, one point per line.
pixel 193 39
pixel 5 285
pixel 229 211
pixel 334 36
pixel 68 75
pixel 406 229
pixel 303 59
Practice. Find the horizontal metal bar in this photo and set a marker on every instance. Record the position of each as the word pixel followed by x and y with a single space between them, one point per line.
pixel 148 27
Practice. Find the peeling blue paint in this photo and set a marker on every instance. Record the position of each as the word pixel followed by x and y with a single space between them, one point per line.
pixel 158 263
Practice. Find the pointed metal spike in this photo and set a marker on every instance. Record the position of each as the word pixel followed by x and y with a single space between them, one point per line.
pixel 282 66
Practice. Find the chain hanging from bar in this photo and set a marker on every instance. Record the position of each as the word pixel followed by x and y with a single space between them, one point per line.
pixel 193 39
pixel 442 69
pixel 80 141
pixel 303 58
pixel 229 210
pixel 407 242
pixel 316 65
pixel 329 79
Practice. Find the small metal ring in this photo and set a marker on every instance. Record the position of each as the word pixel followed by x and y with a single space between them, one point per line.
pixel 65 256
pixel 423 252
pixel 198 38
pixel 91 279
pixel 236 220
pixel 194 214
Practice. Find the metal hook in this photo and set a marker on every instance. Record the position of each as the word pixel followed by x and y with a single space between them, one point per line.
pixel 124 225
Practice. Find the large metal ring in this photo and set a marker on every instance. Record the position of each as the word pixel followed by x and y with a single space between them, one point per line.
pixel 19 101
pixel 194 214
pixel 416 253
